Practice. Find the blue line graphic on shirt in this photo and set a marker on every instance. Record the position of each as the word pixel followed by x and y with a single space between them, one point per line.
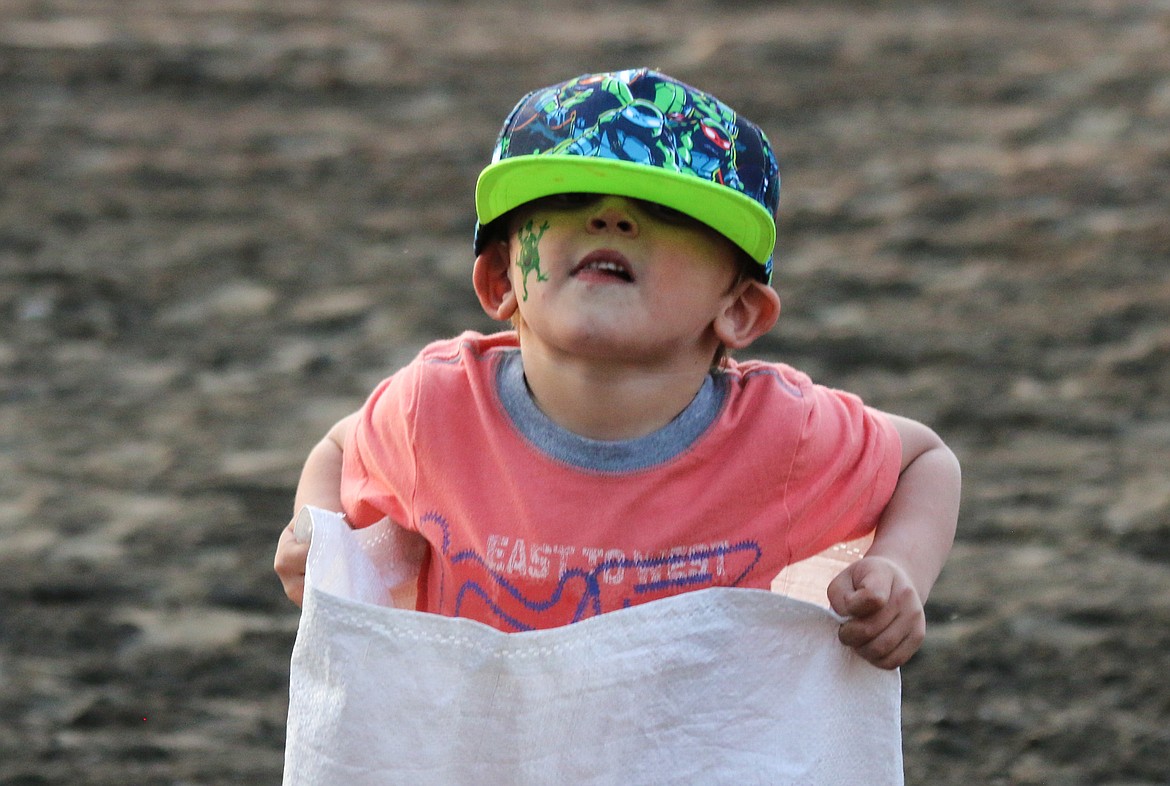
pixel 577 594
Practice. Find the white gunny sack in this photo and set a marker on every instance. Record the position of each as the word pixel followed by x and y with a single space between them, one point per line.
pixel 718 686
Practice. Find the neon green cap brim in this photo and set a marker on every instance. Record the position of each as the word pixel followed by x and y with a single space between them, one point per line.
pixel 510 183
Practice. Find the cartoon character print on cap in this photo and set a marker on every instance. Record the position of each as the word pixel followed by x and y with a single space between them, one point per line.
pixel 648 121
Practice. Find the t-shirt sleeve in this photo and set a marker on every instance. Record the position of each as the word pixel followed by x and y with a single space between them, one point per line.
pixel 378 467
pixel 843 474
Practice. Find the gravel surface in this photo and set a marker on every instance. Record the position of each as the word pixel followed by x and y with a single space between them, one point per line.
pixel 221 222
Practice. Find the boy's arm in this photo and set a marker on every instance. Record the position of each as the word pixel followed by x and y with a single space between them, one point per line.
pixel 319 486
pixel 320 483
pixel 883 593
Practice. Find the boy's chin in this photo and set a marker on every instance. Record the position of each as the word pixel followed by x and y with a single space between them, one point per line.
pixel 611 344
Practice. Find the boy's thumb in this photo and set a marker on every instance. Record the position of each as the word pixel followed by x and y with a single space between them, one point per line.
pixel 839 591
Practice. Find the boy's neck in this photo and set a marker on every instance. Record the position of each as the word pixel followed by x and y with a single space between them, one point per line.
pixel 610 400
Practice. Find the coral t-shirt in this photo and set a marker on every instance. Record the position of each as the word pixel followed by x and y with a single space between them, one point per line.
pixel 530 526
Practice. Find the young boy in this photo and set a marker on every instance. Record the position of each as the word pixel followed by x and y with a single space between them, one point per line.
pixel 606 452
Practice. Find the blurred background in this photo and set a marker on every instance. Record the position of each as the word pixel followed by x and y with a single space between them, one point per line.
pixel 221 222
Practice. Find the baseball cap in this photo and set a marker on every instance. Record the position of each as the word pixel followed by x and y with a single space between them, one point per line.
pixel 637 133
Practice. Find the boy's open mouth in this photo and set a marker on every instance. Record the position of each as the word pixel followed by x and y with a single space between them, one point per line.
pixel 604 264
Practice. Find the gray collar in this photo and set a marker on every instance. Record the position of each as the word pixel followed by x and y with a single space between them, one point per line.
pixel 632 455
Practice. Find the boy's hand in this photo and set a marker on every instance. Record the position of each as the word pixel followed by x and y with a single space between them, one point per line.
pixel 320 486
pixel 292 556
pixel 886 624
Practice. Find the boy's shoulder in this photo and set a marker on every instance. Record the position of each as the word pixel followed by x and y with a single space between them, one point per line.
pixel 767 383
pixel 469 352
pixel 444 379
pixel 468 346
pixel 764 374
pixel 446 365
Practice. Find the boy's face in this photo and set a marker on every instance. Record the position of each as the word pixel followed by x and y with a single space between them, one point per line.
pixel 615 277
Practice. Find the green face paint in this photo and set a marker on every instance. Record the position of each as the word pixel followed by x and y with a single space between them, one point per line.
pixel 529 260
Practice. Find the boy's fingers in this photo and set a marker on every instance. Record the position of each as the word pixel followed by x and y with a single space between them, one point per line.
pixel 862 631
pixel 295 592
pixel 289 549
pixel 886 625
pixel 893 651
pixel 881 657
pixel 289 564
pixel 859 591
pixel 864 602
pixel 838 591
pixel 888 639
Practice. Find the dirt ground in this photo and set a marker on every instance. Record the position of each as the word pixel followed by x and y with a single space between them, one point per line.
pixel 222 221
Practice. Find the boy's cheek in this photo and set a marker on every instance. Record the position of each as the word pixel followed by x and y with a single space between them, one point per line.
pixel 527 257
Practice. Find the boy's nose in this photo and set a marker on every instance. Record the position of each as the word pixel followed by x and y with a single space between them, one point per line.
pixel 613 215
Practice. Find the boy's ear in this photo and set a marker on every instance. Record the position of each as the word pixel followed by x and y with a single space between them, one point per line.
pixel 750 314
pixel 493 284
